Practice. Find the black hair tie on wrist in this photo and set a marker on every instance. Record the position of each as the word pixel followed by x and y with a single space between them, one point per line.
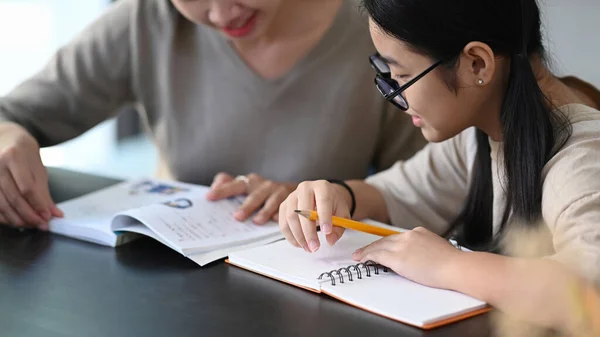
pixel 344 185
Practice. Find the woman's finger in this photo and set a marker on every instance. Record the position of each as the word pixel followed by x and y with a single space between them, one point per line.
pixel 40 176
pixel 254 201
pixel 56 212
pixel 28 188
pixel 221 178
pixel 227 190
pixel 9 214
pixel 269 210
pixel 18 202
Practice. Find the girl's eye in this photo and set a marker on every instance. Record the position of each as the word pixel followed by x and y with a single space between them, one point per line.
pixel 401 79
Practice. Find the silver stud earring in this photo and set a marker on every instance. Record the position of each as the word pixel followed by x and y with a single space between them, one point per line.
pixel 480 81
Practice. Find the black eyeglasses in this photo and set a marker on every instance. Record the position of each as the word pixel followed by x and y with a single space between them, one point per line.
pixel 388 87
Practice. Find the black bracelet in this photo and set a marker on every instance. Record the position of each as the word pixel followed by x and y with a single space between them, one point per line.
pixel 344 185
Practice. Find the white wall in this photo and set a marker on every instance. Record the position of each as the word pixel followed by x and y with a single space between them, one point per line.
pixel 572 35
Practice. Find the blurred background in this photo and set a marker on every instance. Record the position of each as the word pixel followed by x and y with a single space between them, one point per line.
pixel 31 30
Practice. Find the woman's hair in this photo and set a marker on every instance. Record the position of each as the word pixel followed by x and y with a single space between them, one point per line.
pixel 532 130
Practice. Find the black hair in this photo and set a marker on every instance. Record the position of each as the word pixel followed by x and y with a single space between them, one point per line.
pixel 532 130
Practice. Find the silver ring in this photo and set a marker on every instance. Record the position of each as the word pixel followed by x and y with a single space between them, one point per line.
pixel 245 180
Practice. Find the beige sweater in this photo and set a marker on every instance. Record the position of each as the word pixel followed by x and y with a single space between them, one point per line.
pixel 429 189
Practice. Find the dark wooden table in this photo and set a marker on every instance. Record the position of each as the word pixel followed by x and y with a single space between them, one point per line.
pixel 54 286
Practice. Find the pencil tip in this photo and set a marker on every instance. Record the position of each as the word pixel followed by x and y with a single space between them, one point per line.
pixel 302 213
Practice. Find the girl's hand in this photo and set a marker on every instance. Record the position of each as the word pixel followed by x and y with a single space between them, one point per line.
pixel 418 255
pixel 328 199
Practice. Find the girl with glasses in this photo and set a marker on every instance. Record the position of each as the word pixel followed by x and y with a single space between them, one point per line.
pixel 513 147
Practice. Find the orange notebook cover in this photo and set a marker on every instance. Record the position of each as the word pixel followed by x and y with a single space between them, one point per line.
pixel 331 271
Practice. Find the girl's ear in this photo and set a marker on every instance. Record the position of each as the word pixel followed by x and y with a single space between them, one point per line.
pixel 477 64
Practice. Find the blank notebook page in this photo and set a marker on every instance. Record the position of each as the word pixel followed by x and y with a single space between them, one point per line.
pixel 395 297
pixel 288 263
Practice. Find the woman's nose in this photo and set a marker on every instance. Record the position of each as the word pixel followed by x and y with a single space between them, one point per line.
pixel 222 13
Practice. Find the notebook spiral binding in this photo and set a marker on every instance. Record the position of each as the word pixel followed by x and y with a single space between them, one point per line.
pixel 366 266
pixel 357 267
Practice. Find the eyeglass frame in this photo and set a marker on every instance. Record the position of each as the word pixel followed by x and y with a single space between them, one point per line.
pixel 386 77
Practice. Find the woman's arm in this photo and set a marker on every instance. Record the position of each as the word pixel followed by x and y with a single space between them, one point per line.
pixel 83 84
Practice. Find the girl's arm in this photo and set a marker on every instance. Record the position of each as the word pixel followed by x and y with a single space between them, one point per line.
pixel 538 291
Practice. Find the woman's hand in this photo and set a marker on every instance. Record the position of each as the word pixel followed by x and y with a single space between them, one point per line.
pixel 328 199
pixel 418 255
pixel 24 196
pixel 261 194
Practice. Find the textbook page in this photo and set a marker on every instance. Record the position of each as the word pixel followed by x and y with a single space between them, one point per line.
pixel 196 225
pixel 89 217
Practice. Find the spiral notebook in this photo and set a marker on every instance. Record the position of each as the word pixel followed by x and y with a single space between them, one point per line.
pixel 367 286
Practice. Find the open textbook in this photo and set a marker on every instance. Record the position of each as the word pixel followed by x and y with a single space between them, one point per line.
pixel 175 214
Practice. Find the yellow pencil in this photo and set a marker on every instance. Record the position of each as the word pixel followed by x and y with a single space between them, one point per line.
pixel 350 224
